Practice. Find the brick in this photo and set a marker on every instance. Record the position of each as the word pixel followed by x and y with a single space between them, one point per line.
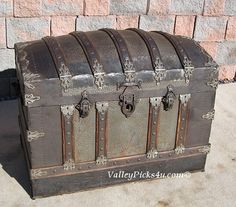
pixel 227 72
pixel 7 59
pixel 26 29
pixel 96 7
pixel 163 23
pixel 133 7
pixel 87 23
pixel 231 29
pixel 186 7
pixel 61 25
pixel 214 7
pixel 210 47
pixel 123 22
pixel 230 7
pixel 226 53
pixel 184 25
pixel 2 33
pixel 159 7
pixel 62 7
pixel 6 8
pixel 210 28
pixel 27 8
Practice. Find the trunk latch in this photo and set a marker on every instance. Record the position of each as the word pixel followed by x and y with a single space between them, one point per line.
pixel 84 105
pixel 128 101
pixel 168 99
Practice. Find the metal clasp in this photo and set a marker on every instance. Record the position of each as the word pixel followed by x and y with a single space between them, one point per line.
pixel 84 105
pixel 168 99
pixel 128 101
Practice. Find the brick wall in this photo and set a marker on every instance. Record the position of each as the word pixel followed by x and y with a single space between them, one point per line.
pixel 211 22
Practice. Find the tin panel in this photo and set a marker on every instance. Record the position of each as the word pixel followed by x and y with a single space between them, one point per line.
pixel 127 136
pixel 167 128
pixel 199 125
pixel 44 136
pixel 84 132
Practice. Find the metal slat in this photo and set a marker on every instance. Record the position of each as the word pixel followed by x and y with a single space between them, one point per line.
pixel 157 63
pixel 183 56
pixel 124 55
pixel 60 62
pixel 92 57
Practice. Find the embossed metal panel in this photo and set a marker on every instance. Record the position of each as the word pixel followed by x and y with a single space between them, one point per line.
pixel 84 133
pixel 127 136
pixel 167 128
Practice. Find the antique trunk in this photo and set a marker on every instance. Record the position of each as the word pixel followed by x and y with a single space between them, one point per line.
pixel 103 102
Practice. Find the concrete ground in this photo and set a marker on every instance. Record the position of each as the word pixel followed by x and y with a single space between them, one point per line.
pixel 214 187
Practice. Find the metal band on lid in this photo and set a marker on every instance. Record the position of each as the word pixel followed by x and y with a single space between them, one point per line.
pixel 157 63
pixel 124 55
pixel 92 57
pixel 60 62
pixel 183 56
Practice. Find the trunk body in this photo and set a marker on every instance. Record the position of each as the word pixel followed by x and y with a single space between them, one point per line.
pixel 96 103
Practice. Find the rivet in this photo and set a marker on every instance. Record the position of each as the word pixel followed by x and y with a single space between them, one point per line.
pixel 102 138
pixel 153 133
pixel 68 132
pixel 102 129
pixel 101 148
pixel 154 122
pixel 68 122
pixel 102 119
pixel 114 163
pixel 68 142
pixel 183 119
pixel 139 159
pixel 127 161
pixel 69 153
pixel 79 168
pixel 54 171
pixel 160 156
pixel 170 154
pixel 89 166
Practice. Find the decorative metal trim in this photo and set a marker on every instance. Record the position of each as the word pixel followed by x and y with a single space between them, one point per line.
pixel 34 135
pixel 102 107
pixel 98 74
pixel 213 65
pixel 213 83
pixel 37 173
pixel 69 164
pixel 179 149
pixel 159 71
pixel 129 70
pixel 152 153
pixel 28 78
pixel 90 166
pixel 188 69
pixel 30 98
pixel 210 115
pixel 184 98
pixel 67 110
pixel 101 160
pixel 206 149
pixel 65 77
pixel 155 101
